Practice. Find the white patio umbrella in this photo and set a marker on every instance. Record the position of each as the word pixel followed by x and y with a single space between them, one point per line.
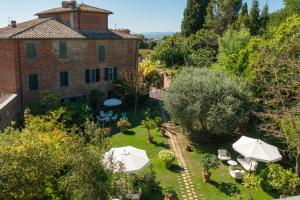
pixel 257 150
pixel 131 158
pixel 112 102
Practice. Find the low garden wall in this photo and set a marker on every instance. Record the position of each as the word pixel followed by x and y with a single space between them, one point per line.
pixel 10 110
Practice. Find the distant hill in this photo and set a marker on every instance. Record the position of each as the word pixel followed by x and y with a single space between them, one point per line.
pixel 157 35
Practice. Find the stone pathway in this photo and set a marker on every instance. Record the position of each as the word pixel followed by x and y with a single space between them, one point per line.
pixel 184 179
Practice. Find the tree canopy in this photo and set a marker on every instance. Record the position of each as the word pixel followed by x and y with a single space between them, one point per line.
pixel 209 101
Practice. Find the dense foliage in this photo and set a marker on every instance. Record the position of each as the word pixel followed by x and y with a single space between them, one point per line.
pixel 194 16
pixel 45 160
pixel 208 101
pixel 282 180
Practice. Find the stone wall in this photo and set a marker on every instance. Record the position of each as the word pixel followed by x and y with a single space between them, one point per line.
pixel 10 110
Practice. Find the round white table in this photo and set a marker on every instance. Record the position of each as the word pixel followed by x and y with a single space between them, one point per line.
pixel 232 162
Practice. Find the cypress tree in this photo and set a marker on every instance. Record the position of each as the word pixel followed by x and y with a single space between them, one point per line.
pixel 254 18
pixel 265 17
pixel 244 11
pixel 222 13
pixel 194 16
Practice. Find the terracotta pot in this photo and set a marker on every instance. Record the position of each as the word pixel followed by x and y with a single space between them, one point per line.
pixel 189 148
pixel 150 139
pixel 171 198
pixel 282 196
pixel 206 176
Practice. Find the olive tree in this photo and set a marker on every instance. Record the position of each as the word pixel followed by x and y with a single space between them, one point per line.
pixel 209 101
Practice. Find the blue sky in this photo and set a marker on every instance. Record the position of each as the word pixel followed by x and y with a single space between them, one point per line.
pixel 137 15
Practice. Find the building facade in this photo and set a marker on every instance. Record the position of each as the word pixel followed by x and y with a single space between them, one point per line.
pixel 67 50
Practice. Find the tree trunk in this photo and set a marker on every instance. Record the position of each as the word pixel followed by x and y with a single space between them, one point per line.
pixel 298 161
pixel 135 104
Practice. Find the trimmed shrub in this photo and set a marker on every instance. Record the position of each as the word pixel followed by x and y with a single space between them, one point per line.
pixel 168 157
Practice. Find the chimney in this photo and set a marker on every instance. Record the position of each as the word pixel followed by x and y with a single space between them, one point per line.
pixel 13 23
pixel 124 31
pixel 69 4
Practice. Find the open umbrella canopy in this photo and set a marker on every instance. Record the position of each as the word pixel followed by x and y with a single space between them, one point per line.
pixel 131 159
pixel 112 102
pixel 257 150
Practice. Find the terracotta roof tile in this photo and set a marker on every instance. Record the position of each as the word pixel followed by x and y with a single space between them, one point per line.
pixel 8 31
pixel 80 7
pixel 50 29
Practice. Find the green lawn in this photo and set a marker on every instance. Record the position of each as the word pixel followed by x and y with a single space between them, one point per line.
pixel 220 188
pixel 137 137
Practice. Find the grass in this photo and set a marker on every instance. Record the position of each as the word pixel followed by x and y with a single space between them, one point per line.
pixel 137 137
pixel 221 186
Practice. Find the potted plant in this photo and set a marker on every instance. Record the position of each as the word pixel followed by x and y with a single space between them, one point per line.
pixel 149 124
pixel 170 193
pixel 168 157
pixel 189 148
pixel 106 131
pixel 123 124
pixel 159 122
pixel 208 161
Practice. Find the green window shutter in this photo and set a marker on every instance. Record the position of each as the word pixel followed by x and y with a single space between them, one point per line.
pixel 115 73
pixel 31 51
pixel 64 79
pixel 87 76
pixel 97 75
pixel 101 54
pixel 63 51
pixel 106 74
pixel 33 82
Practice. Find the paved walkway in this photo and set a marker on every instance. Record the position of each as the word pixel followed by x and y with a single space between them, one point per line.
pixel 184 178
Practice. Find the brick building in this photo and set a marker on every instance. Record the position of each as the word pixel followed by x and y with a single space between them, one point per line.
pixel 68 50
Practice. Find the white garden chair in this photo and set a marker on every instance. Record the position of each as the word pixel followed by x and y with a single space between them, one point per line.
pixel 223 155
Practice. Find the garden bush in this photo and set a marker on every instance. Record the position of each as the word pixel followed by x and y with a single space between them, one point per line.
pixel 283 180
pixel 147 182
pixel 123 124
pixel 208 101
pixel 168 157
pixel 95 97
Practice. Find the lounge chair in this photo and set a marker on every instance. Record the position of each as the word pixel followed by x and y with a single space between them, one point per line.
pixel 102 114
pixel 223 155
pixel 114 118
pixel 236 174
pixel 248 164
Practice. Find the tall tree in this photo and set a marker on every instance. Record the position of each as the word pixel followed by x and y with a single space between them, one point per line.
pixel 265 17
pixel 244 11
pixel 254 18
pixel 222 13
pixel 194 16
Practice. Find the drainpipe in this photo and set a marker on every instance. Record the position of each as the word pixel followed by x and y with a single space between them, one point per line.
pixel 20 77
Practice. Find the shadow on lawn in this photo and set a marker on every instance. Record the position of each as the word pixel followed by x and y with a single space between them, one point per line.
pixel 161 144
pixel 176 168
pixel 229 189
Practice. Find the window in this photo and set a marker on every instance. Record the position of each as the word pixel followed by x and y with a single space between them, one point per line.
pixel 33 82
pixel 31 51
pixel 92 75
pixel 111 73
pixel 64 79
pixel 63 51
pixel 101 54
